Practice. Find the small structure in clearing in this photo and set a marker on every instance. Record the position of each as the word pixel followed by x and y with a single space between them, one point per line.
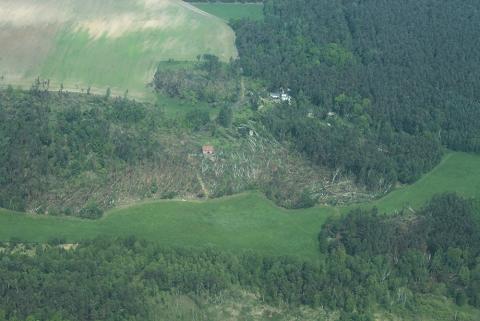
pixel 208 150
pixel 282 96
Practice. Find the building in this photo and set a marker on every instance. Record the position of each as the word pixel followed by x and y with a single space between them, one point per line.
pixel 282 96
pixel 275 96
pixel 208 150
pixel 286 97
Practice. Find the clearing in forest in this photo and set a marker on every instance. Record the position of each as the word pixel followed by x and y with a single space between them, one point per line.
pixel 100 44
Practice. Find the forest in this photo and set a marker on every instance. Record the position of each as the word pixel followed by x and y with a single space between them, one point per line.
pixel 367 262
pixel 387 85
pixel 377 102
pixel 75 154
pixel 381 89
pixel 51 138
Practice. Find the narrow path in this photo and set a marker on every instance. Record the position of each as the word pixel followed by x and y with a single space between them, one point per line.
pixel 241 94
pixel 202 184
pixel 195 9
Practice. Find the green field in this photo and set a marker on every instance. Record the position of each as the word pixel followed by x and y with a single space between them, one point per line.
pixel 246 221
pixel 100 44
pixel 242 222
pixel 458 172
pixel 231 11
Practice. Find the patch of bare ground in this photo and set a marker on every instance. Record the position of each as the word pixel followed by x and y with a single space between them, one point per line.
pixel 117 25
pixel 24 13
pixel 69 246
pixel 22 49
pixel 263 162
pixel 244 305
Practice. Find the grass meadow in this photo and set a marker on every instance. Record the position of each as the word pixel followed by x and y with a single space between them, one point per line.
pixel 242 222
pixel 238 223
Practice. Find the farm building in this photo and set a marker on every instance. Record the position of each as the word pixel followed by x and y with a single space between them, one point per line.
pixel 275 96
pixel 282 96
pixel 208 150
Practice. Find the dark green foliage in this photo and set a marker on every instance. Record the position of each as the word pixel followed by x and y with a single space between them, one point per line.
pixel 91 211
pixel 460 128
pixel 111 279
pixel 212 65
pixel 225 116
pixel 439 245
pixel 449 222
pixel 197 119
pixel 305 200
pixel 48 138
pixel 209 80
pixel 378 158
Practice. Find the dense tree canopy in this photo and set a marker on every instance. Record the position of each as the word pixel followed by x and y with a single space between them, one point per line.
pixel 400 78
pixel 48 138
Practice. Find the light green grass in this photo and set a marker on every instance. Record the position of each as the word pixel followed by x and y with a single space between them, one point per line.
pixel 115 44
pixel 229 11
pixel 242 222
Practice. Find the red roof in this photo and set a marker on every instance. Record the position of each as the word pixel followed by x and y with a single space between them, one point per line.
pixel 208 149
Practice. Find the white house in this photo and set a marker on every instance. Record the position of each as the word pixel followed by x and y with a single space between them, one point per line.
pixel 275 96
pixel 281 97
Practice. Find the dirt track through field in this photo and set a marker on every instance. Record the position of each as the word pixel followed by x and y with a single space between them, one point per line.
pixel 195 9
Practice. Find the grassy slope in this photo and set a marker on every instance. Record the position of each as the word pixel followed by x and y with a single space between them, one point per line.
pixel 242 222
pixel 230 11
pixel 109 43
pixel 246 221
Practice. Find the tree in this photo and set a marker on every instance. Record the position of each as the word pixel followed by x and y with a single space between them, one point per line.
pixel 91 211
pixel 225 116
pixel 197 118
pixel 212 65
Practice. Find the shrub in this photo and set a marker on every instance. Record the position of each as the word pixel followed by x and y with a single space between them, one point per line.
pixel 91 211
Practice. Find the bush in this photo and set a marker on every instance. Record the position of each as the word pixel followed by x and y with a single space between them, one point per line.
pixel 196 119
pixel 91 211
